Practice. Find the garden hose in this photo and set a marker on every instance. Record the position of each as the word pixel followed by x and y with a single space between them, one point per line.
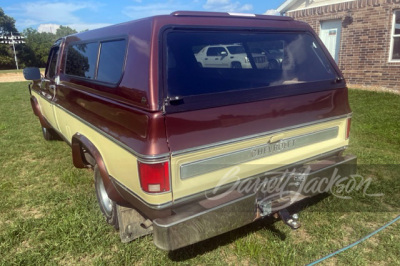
pixel 357 242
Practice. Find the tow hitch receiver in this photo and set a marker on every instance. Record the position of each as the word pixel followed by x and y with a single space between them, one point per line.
pixel 290 220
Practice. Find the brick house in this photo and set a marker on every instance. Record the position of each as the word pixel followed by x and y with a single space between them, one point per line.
pixel 363 36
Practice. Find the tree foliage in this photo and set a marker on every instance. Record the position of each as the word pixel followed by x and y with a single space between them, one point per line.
pixel 7 26
pixel 6 57
pixel 36 48
pixel 37 45
pixel 63 31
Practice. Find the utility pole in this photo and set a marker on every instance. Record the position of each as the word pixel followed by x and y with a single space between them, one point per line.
pixel 15 54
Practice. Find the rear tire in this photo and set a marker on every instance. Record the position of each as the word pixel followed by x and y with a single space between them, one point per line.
pixel 50 134
pixel 107 206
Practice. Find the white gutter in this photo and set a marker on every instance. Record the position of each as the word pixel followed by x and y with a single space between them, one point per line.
pixel 284 6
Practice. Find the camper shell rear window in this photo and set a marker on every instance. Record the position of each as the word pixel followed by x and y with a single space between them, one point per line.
pixel 206 68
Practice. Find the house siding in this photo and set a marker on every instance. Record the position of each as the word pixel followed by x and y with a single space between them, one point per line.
pixel 365 41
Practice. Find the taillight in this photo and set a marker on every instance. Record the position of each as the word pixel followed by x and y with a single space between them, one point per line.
pixel 154 177
pixel 348 127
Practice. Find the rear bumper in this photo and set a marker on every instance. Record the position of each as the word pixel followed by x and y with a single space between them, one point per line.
pixel 237 207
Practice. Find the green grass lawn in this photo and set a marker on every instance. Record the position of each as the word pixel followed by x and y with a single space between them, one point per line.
pixel 17 71
pixel 49 213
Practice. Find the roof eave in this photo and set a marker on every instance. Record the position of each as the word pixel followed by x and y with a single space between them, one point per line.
pixel 285 6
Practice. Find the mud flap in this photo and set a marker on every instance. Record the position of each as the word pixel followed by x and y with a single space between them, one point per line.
pixel 132 224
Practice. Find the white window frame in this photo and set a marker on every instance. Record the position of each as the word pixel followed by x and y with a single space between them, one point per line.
pixel 392 36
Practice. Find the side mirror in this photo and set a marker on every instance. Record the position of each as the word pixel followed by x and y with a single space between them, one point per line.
pixel 223 53
pixel 32 73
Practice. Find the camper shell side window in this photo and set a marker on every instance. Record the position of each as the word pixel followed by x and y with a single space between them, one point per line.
pixel 101 61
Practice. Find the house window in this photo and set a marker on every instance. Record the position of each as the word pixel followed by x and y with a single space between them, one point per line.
pixel 395 52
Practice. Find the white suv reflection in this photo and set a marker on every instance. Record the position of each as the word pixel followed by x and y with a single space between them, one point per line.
pixel 229 56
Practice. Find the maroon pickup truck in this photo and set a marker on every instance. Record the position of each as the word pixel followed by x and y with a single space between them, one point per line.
pixel 188 140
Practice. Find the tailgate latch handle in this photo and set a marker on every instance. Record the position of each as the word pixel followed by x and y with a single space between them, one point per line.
pixel 276 138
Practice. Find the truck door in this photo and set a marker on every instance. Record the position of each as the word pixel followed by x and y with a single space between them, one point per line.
pixel 49 85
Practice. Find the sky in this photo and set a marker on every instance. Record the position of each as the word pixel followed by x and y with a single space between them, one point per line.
pixel 47 15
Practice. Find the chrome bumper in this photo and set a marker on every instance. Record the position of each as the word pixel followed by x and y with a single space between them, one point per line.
pixel 210 217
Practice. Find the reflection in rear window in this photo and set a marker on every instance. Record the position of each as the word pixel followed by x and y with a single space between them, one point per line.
pixel 200 62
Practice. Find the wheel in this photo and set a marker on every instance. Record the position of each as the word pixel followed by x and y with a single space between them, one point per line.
pixel 50 134
pixel 107 206
pixel 236 65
